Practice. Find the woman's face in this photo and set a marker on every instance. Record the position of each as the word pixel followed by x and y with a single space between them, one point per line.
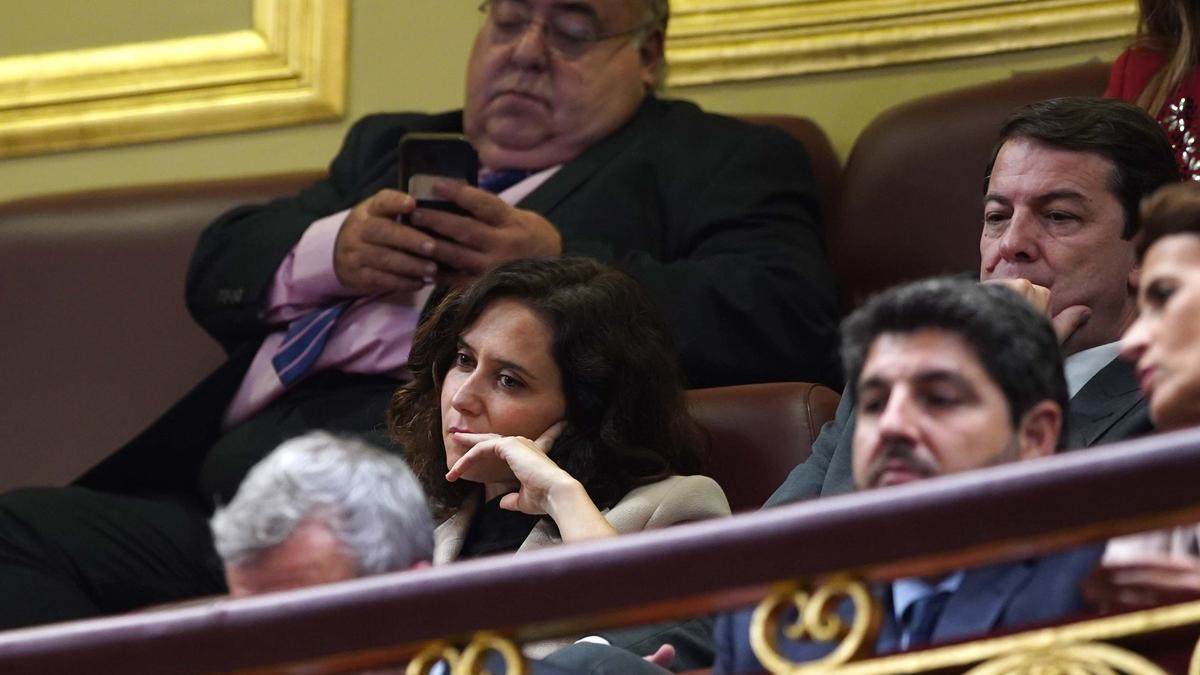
pixel 1165 338
pixel 503 378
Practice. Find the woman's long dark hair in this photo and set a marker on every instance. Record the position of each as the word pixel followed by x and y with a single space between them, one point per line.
pixel 627 420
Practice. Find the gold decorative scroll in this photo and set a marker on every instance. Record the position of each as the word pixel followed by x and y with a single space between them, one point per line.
pixel 724 40
pixel 818 619
pixel 288 68
pixel 430 654
pixel 472 659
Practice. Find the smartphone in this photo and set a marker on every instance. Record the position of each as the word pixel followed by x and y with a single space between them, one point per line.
pixel 426 156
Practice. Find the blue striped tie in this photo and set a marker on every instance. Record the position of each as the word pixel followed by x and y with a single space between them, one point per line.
pixel 304 341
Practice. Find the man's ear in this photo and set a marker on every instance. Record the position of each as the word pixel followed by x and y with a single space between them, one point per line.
pixel 653 59
pixel 1038 431
pixel 1135 277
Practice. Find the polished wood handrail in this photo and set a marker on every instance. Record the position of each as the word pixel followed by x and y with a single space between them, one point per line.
pixel 1004 512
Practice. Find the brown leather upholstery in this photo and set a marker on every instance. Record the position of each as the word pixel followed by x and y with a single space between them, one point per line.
pixel 913 184
pixel 827 168
pixel 758 433
pixel 96 339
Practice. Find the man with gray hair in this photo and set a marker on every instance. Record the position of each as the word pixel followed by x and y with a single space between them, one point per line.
pixel 318 509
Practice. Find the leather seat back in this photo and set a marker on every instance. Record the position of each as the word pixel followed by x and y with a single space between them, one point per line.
pixel 913 186
pixel 758 433
pixel 96 341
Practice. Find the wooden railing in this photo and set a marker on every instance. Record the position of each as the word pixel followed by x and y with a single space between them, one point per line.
pixel 1006 512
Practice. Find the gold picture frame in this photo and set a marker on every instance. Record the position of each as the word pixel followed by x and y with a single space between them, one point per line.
pixel 290 67
pixel 713 41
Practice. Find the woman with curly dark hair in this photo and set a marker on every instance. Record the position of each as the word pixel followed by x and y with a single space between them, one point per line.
pixel 548 388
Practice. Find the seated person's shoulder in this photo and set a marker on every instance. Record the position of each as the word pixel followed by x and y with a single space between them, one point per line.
pixel 381 132
pixel 676 499
pixel 1142 57
pixel 692 128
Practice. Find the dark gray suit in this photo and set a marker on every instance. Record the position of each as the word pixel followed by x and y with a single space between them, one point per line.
pixel 1108 408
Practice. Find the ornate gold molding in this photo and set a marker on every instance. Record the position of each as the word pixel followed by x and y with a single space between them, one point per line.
pixel 289 68
pixel 472 659
pixel 724 40
pixel 817 619
pixel 1071 648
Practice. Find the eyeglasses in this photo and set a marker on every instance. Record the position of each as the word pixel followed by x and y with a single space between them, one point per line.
pixel 569 33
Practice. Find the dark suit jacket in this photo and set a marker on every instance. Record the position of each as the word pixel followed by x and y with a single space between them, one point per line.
pixel 1109 408
pixel 997 597
pixel 715 217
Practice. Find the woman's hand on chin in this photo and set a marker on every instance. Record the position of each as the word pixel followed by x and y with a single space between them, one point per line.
pixel 542 486
pixel 514 462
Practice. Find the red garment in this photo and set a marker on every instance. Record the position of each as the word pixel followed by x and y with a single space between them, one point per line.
pixel 1131 72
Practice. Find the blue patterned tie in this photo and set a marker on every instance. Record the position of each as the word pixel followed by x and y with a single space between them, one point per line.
pixel 304 341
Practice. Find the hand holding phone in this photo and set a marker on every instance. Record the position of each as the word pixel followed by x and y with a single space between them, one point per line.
pixel 497 231
pixel 372 253
pixel 425 157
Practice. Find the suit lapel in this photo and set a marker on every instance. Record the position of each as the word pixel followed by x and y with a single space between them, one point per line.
pixel 542 535
pixel 979 603
pixel 566 180
pixel 840 479
pixel 888 639
pixel 449 535
pixel 1107 398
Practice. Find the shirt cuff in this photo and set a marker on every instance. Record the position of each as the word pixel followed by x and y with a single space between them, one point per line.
pixel 312 272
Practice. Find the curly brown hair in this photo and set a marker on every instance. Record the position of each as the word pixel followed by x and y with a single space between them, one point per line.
pixel 627 419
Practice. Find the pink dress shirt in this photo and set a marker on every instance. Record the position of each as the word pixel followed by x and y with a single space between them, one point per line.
pixel 373 335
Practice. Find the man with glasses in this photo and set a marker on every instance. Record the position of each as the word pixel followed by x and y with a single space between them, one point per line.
pixel 316 297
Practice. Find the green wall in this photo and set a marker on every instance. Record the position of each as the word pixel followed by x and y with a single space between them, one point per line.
pixel 411 55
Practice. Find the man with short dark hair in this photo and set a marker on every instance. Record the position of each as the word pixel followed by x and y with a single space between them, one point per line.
pixel 1059 215
pixel 950 376
pixel 316 297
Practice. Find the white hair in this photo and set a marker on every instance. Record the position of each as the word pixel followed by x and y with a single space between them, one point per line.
pixel 368 499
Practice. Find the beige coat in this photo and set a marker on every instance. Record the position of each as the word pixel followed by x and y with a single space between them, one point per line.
pixel 673 500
